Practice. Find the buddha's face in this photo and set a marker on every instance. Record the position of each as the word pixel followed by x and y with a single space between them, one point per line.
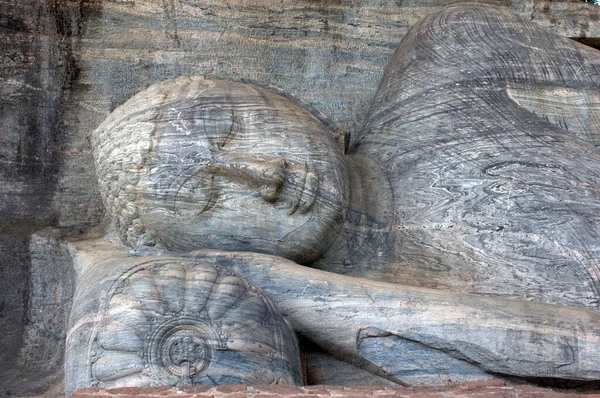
pixel 244 169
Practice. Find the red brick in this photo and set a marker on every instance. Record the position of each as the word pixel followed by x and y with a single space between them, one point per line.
pixel 157 389
pixel 403 389
pixel 530 388
pixel 485 383
pixel 434 390
pixel 92 395
pixel 534 393
pixel 141 391
pixel 485 389
pixel 530 394
pixel 357 394
pixel 88 390
pixel 323 387
pixel 318 392
pixel 231 388
pixel 492 392
pixel 258 388
pixel 194 389
pixel 281 389
pixel 237 395
pixel 123 390
pixel 132 395
pixel 384 391
pixel 171 394
pixel 364 388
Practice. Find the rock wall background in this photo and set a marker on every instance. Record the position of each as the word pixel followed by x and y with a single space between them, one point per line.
pixel 66 64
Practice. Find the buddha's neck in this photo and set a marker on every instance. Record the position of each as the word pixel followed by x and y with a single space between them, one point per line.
pixel 365 237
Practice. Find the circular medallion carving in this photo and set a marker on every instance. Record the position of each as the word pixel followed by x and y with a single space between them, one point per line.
pixel 173 321
pixel 181 350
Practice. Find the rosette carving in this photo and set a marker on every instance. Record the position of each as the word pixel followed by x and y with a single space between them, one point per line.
pixel 174 322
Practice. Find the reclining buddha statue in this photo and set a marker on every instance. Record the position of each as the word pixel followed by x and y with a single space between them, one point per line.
pixel 454 239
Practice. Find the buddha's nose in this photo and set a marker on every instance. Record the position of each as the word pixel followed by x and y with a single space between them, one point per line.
pixel 261 174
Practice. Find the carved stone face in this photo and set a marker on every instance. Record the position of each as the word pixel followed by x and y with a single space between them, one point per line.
pixel 225 165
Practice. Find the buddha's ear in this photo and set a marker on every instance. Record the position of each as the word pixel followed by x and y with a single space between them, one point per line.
pixel 343 140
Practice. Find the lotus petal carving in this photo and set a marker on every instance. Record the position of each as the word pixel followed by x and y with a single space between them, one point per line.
pixel 173 322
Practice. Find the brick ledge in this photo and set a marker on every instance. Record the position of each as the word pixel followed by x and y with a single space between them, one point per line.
pixel 487 389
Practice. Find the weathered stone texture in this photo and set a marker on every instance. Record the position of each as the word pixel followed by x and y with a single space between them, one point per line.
pixel 14 301
pixel 65 65
pixel 36 287
pixel 37 69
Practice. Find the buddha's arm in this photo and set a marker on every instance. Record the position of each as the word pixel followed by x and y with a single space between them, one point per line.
pixel 503 336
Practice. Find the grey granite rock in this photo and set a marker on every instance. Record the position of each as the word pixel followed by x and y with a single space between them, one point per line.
pixel 474 172
pixel 489 144
pixel 67 64
pixel 171 321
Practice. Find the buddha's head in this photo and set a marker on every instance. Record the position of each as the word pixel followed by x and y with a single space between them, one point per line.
pixel 196 163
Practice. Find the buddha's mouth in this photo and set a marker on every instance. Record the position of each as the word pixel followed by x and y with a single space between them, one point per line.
pixel 307 193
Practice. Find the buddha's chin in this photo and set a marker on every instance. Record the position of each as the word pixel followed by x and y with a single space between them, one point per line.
pixel 306 244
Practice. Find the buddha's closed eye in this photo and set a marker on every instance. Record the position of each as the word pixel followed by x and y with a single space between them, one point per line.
pixel 234 127
pixel 220 125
